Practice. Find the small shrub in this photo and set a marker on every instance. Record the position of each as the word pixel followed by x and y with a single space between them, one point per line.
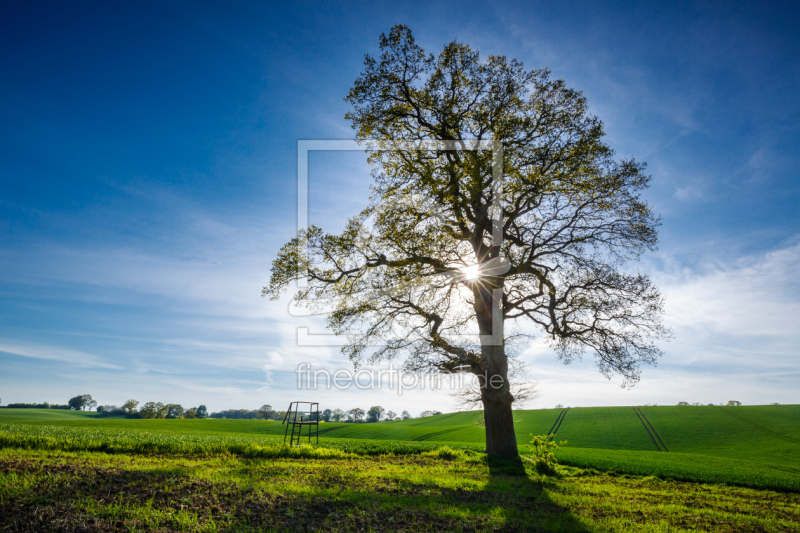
pixel 542 453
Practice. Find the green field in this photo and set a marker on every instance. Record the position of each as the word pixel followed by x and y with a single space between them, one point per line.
pixel 66 470
pixel 754 446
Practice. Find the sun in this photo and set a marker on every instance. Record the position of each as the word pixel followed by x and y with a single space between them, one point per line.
pixel 471 272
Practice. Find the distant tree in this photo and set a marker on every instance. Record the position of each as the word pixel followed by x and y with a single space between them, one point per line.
pixel 732 403
pixel 425 414
pixel 110 410
pixel 375 413
pixel 130 407
pixel 683 403
pixel 338 415
pixel 355 415
pixel 559 406
pixel 174 410
pixel 775 403
pixel 88 402
pixel 82 402
pixel 148 410
pixel 153 410
pixel 76 403
pixel 202 412
pixel 391 415
pixel 405 415
pixel 190 413
pixel 265 412
pixel 326 415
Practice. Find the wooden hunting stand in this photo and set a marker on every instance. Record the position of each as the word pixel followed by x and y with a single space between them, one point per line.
pixel 299 418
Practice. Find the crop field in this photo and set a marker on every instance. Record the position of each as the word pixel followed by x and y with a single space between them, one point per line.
pixel 610 428
pixel 750 446
pixel 732 432
pixel 727 469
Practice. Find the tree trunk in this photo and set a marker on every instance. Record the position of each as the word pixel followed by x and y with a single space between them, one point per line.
pixel 501 439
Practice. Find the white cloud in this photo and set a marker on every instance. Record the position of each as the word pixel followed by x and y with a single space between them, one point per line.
pixel 736 336
pixel 53 353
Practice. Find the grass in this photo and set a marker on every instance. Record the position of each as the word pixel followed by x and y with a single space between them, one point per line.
pixel 729 469
pixel 779 419
pixel 684 467
pixel 38 437
pixel 613 428
pixel 708 444
pixel 769 433
pixel 445 490
pixel 722 432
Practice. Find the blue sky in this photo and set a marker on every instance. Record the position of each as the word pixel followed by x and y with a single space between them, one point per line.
pixel 148 166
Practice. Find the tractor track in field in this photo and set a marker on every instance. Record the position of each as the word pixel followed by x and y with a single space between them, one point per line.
pixel 759 427
pixel 651 430
pixel 434 434
pixel 655 432
pixel 557 424
pixel 328 430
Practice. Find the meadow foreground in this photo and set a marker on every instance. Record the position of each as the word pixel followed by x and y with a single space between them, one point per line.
pixel 441 490
pixel 725 471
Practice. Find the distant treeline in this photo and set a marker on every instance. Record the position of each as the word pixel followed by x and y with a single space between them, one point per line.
pixel 247 414
pixel 153 410
pixel 44 405
pixel 150 410
pixel 375 413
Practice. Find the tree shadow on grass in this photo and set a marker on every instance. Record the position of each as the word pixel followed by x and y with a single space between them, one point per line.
pixel 512 492
pixel 524 500
pixel 510 500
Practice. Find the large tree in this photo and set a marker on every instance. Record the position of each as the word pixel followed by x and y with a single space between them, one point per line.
pixel 419 273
